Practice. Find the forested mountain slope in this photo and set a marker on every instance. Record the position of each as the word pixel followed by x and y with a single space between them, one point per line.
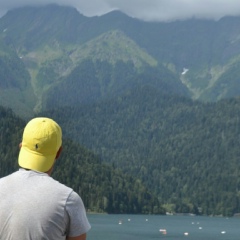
pixel 187 152
pixel 123 88
pixel 52 41
pixel 102 187
pixel 94 81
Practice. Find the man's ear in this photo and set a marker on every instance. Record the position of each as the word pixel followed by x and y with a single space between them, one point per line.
pixel 59 152
pixel 20 145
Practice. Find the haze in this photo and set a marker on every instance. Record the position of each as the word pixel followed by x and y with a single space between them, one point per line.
pixel 147 10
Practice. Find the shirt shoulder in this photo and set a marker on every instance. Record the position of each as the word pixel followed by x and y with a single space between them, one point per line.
pixel 77 214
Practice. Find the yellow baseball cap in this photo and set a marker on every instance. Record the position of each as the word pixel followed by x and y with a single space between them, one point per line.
pixel 42 138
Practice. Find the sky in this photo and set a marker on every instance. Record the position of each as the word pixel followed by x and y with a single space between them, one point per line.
pixel 146 10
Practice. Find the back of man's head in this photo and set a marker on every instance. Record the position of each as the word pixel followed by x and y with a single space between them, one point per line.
pixel 42 139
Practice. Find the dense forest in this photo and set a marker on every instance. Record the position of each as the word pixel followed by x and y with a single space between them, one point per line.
pixel 102 187
pixel 185 151
pixel 145 153
pixel 93 81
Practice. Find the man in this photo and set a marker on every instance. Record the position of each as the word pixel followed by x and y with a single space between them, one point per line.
pixel 34 206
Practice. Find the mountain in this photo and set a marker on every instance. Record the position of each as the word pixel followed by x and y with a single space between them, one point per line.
pixel 113 46
pixel 52 41
pixel 185 151
pixel 51 50
pixel 158 102
pixel 102 187
pixel 29 28
pixel 94 81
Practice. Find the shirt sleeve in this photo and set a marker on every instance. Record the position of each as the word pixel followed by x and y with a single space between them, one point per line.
pixel 78 222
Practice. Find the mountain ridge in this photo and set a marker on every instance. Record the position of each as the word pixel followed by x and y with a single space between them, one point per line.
pixel 139 117
pixel 50 35
pixel 52 59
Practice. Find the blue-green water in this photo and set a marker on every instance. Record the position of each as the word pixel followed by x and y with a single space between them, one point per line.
pixel 145 227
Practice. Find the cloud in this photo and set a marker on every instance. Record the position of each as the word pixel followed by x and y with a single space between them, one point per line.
pixel 167 10
pixel 149 10
pixel 86 7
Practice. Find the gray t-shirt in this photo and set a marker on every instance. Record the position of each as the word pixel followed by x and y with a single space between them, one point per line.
pixel 34 206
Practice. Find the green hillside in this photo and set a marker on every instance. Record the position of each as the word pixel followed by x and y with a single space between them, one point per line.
pixel 15 82
pixel 113 46
pixel 186 152
pixel 52 41
pixel 50 57
pixel 102 187
pixel 227 85
pixel 155 106
pixel 30 28
pixel 93 81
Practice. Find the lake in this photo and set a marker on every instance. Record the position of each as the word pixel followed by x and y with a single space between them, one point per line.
pixel 148 227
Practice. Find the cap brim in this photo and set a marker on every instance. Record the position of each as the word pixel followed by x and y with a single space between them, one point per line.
pixel 31 160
